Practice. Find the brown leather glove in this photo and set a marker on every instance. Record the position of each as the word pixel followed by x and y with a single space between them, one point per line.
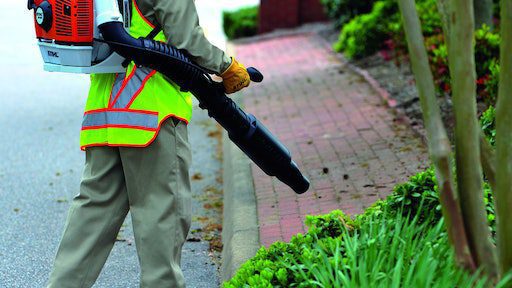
pixel 235 77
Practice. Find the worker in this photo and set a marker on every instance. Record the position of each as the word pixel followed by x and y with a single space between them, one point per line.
pixel 134 134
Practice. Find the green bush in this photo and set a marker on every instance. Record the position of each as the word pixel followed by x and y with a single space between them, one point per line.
pixel 488 123
pixel 420 191
pixel 420 197
pixel 399 242
pixel 490 94
pixel 394 251
pixel 241 23
pixel 487 44
pixel 366 33
pixel 341 11
pixel 487 49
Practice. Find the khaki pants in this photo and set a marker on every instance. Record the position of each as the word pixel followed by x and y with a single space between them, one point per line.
pixel 153 183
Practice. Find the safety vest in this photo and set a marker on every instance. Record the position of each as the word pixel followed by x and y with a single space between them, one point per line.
pixel 127 109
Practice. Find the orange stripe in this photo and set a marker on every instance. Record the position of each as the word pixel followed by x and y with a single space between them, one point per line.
pixel 118 126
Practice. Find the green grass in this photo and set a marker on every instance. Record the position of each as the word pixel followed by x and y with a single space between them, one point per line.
pixel 378 250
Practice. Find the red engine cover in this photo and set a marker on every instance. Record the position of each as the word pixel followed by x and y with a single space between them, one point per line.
pixel 72 21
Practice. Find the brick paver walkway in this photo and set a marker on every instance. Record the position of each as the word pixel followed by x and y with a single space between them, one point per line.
pixel 337 127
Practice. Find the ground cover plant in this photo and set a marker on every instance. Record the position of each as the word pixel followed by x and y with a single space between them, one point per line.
pixel 397 242
pixel 241 23
pixel 367 33
pixel 341 11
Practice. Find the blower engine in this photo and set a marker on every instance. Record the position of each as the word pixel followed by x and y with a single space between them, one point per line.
pixel 89 36
pixel 66 32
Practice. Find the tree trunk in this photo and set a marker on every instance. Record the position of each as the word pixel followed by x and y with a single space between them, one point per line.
pixel 438 143
pixel 467 133
pixel 443 6
pixel 503 199
pixel 483 13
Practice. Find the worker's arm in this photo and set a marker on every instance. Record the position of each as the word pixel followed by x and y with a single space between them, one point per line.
pixel 180 23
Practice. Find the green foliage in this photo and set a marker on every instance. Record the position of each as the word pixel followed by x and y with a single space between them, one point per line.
pixel 397 242
pixel 491 83
pixel 429 16
pixel 487 48
pixel 486 57
pixel 241 23
pixel 394 251
pixel 488 123
pixel 341 11
pixel 420 193
pixel 329 225
pixel 366 33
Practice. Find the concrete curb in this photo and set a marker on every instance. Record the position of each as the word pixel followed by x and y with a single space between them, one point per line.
pixel 240 234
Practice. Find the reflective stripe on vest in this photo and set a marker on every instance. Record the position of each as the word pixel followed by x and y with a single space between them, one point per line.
pixel 126 89
pixel 120 119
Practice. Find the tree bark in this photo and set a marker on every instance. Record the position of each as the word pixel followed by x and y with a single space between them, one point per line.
pixel 503 194
pixel 467 133
pixel 483 13
pixel 443 6
pixel 438 142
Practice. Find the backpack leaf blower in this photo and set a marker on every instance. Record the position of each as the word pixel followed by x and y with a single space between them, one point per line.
pixel 89 36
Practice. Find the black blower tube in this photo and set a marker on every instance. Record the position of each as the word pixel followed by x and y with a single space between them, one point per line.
pixel 252 137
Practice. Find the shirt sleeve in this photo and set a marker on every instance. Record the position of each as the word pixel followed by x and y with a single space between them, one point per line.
pixel 180 23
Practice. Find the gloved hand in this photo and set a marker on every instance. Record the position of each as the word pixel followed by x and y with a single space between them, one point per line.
pixel 235 77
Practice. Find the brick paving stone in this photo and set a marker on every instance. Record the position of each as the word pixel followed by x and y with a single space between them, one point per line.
pixel 343 137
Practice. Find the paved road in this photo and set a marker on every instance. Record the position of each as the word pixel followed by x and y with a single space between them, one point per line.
pixel 40 166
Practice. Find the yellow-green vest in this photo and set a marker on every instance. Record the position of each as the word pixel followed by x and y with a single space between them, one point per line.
pixel 127 109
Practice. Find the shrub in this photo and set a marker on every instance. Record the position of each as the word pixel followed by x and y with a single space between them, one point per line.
pixel 394 251
pixel 341 11
pixel 486 56
pixel 241 23
pixel 488 123
pixel 489 94
pixel 397 242
pixel 487 49
pixel 420 197
pixel 365 34
pixel 420 191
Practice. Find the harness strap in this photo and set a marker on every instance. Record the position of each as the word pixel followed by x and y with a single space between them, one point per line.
pixel 154 32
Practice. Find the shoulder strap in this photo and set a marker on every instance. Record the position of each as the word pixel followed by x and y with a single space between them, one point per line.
pixel 125 7
pixel 154 32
